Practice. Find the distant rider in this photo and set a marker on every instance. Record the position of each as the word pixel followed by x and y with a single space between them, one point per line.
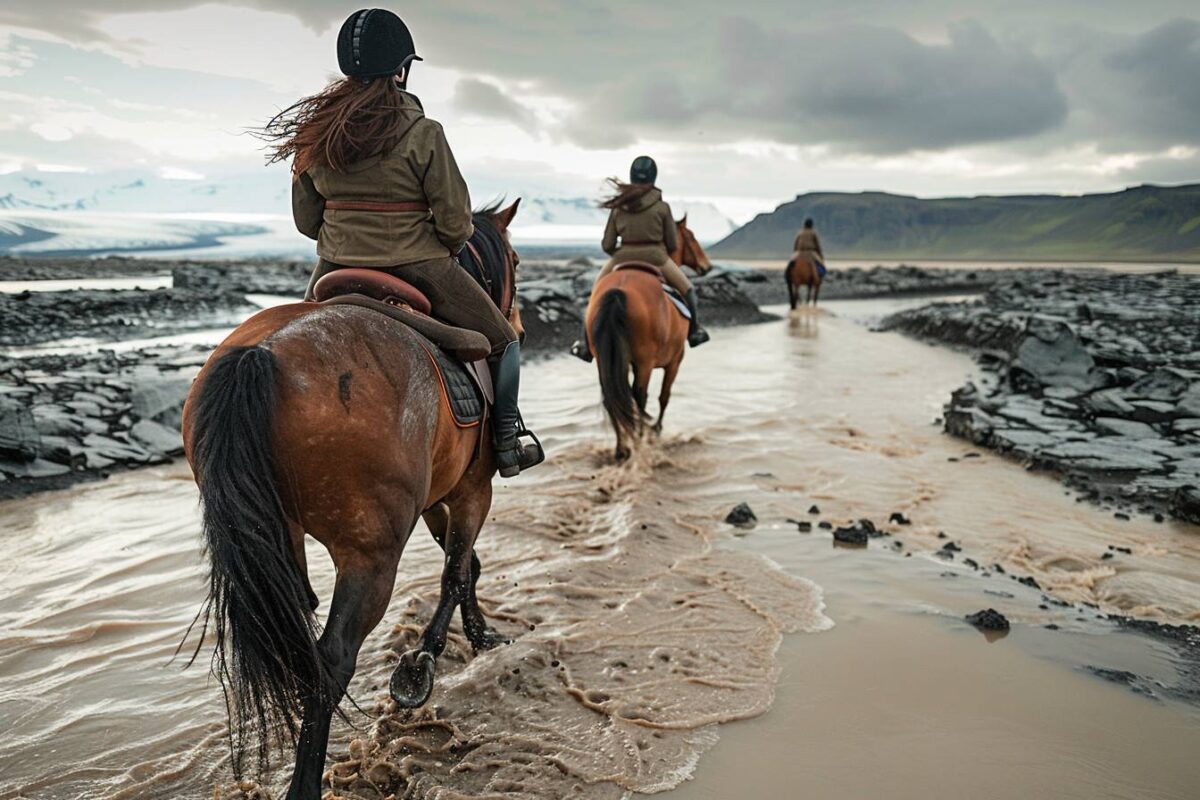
pixel 642 228
pixel 807 241
pixel 375 183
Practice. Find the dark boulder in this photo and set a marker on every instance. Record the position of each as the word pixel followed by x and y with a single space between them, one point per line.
pixel 989 619
pixel 19 437
pixel 741 516
pixel 1050 354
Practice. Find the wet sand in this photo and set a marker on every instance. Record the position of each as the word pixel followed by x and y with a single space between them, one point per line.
pixel 900 698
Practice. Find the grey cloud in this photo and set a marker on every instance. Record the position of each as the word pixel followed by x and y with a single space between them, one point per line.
pixel 483 99
pixel 806 72
pixel 1160 70
pixel 860 88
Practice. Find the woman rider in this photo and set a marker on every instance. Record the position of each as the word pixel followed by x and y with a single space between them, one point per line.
pixel 642 221
pixel 375 183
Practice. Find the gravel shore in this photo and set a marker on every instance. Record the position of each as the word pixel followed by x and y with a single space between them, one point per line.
pixel 1093 375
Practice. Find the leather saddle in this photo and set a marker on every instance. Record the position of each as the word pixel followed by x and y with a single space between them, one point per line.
pixel 458 354
pixel 651 269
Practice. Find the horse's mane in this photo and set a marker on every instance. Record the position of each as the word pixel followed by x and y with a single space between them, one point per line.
pixel 493 250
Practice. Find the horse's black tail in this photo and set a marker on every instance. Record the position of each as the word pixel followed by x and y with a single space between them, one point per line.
pixel 610 339
pixel 266 653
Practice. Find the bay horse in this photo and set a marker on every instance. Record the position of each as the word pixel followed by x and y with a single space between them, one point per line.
pixel 329 421
pixel 633 326
pixel 803 272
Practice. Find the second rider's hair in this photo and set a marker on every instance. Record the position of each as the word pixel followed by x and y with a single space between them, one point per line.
pixel 625 195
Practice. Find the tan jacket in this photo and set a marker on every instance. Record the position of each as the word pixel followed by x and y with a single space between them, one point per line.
pixel 646 233
pixel 420 168
pixel 807 239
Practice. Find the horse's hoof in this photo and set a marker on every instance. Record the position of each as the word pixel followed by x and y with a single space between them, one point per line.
pixel 488 639
pixel 412 682
pixel 622 456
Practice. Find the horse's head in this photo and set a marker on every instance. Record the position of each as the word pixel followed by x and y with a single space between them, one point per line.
pixel 688 252
pixel 505 296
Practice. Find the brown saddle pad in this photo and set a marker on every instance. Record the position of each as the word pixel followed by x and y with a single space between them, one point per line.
pixel 373 283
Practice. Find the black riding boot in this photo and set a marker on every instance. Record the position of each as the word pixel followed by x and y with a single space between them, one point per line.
pixel 511 455
pixel 696 335
pixel 580 348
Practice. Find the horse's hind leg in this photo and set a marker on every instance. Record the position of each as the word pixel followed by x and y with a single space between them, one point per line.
pixel 641 390
pixel 808 293
pixel 480 634
pixel 816 293
pixel 412 682
pixel 360 597
pixel 664 394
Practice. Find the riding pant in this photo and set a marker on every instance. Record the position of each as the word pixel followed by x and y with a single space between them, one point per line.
pixel 652 255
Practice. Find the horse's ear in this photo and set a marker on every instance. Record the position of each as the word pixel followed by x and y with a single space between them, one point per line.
pixel 683 222
pixel 504 217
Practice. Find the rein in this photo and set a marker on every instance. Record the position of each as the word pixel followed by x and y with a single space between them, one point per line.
pixel 508 287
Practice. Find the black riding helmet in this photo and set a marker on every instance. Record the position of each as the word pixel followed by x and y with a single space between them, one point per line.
pixel 643 170
pixel 374 42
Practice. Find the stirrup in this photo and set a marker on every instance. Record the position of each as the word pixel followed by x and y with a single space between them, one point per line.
pixel 698 337
pixel 580 350
pixel 520 456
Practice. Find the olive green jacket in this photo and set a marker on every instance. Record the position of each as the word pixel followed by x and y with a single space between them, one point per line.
pixel 420 168
pixel 807 239
pixel 647 233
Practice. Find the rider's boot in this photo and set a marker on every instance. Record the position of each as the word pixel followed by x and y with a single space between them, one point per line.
pixel 696 335
pixel 580 348
pixel 512 456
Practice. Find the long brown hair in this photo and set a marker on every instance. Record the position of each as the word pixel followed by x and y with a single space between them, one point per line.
pixel 346 122
pixel 626 195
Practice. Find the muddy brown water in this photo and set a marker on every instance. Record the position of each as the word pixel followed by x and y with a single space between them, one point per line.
pixel 642 623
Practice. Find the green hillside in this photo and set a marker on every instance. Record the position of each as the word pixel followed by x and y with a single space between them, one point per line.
pixel 1146 223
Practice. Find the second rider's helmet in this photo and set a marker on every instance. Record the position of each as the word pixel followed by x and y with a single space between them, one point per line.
pixel 373 43
pixel 643 170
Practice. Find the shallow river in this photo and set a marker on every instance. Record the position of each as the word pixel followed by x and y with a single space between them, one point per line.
pixel 641 621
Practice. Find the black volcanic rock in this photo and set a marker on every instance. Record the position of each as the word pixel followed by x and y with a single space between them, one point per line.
pixel 1095 375
pixel 742 516
pixel 989 619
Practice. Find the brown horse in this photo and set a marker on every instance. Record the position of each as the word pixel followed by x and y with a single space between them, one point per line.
pixel 633 326
pixel 803 272
pixel 329 420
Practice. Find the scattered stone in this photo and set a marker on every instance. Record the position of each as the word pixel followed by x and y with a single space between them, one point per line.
pixel 814 510
pixel 741 516
pixel 856 535
pixel 825 526
pixel 899 518
pixel 988 619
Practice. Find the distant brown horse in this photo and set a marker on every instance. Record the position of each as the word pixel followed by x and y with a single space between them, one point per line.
pixel 803 272
pixel 329 420
pixel 632 326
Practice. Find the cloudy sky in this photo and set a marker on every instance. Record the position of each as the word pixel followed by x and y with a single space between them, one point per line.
pixel 745 103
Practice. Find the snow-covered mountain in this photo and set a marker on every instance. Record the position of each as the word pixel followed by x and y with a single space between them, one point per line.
pixel 265 191
pixel 86 212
